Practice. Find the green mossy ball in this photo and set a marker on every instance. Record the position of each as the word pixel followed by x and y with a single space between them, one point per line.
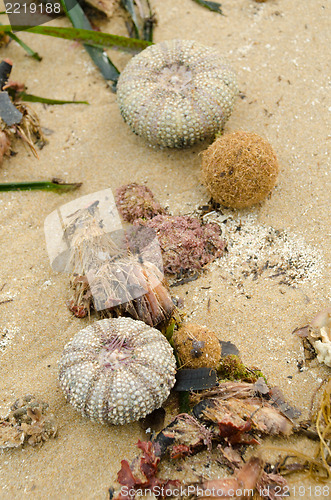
pixel 239 169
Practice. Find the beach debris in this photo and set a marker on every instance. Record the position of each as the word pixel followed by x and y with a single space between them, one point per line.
pixel 176 93
pixel 195 379
pixel 232 415
pixel 141 474
pixel 244 390
pixel 98 55
pixel 17 120
pixel 4 145
pixel 117 370
pixel 135 201
pixel 186 244
pixel 9 114
pixel 213 6
pixel 116 273
pixel 318 334
pixel 56 185
pixel 184 436
pixel 142 19
pixel 197 346
pixel 239 169
pixel 27 422
pixel 231 367
pixel 244 479
pixel 4 39
pixel 235 417
pixel 318 465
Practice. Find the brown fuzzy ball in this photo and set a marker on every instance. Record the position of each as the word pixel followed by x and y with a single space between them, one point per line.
pixel 197 347
pixel 239 169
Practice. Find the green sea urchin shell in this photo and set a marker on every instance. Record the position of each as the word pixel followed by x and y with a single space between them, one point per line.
pixel 117 370
pixel 176 93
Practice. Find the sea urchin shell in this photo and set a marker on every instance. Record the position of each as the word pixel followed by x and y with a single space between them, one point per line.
pixel 117 370
pixel 176 92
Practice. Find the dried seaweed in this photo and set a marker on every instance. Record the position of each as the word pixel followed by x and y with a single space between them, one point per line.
pixel 319 465
pixel 232 368
pixel 113 279
pixel 233 418
pixel 28 422
pixel 141 474
pixel 317 335
pixel 245 479
pixel 135 201
pixel 87 36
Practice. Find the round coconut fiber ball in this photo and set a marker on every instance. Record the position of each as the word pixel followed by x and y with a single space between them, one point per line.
pixel 239 169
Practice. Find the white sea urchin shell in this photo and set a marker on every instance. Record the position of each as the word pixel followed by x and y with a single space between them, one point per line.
pixel 117 370
pixel 176 92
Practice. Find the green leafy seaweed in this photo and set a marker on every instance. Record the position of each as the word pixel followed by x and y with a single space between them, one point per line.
pixel 24 46
pixel 214 6
pixel 56 185
pixel 35 98
pixel 86 36
pixel 129 7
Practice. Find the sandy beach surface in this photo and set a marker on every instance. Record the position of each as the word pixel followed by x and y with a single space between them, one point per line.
pixel 279 50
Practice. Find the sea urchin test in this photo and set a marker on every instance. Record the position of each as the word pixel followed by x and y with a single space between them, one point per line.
pixel 117 370
pixel 176 93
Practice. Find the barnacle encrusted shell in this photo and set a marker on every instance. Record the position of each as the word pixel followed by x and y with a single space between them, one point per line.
pixel 176 92
pixel 117 370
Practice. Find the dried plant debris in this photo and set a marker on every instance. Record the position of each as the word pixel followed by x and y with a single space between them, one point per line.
pixel 186 244
pixel 317 466
pixel 322 421
pixel 318 334
pixel 246 390
pixel 235 414
pixel 4 145
pixel 28 422
pixel 135 201
pixel 112 273
pixel 255 250
pixel 182 438
pixel 234 417
pixel 141 474
pixel 142 19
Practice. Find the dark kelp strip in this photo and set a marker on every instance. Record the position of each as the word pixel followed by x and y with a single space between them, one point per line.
pixel 214 6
